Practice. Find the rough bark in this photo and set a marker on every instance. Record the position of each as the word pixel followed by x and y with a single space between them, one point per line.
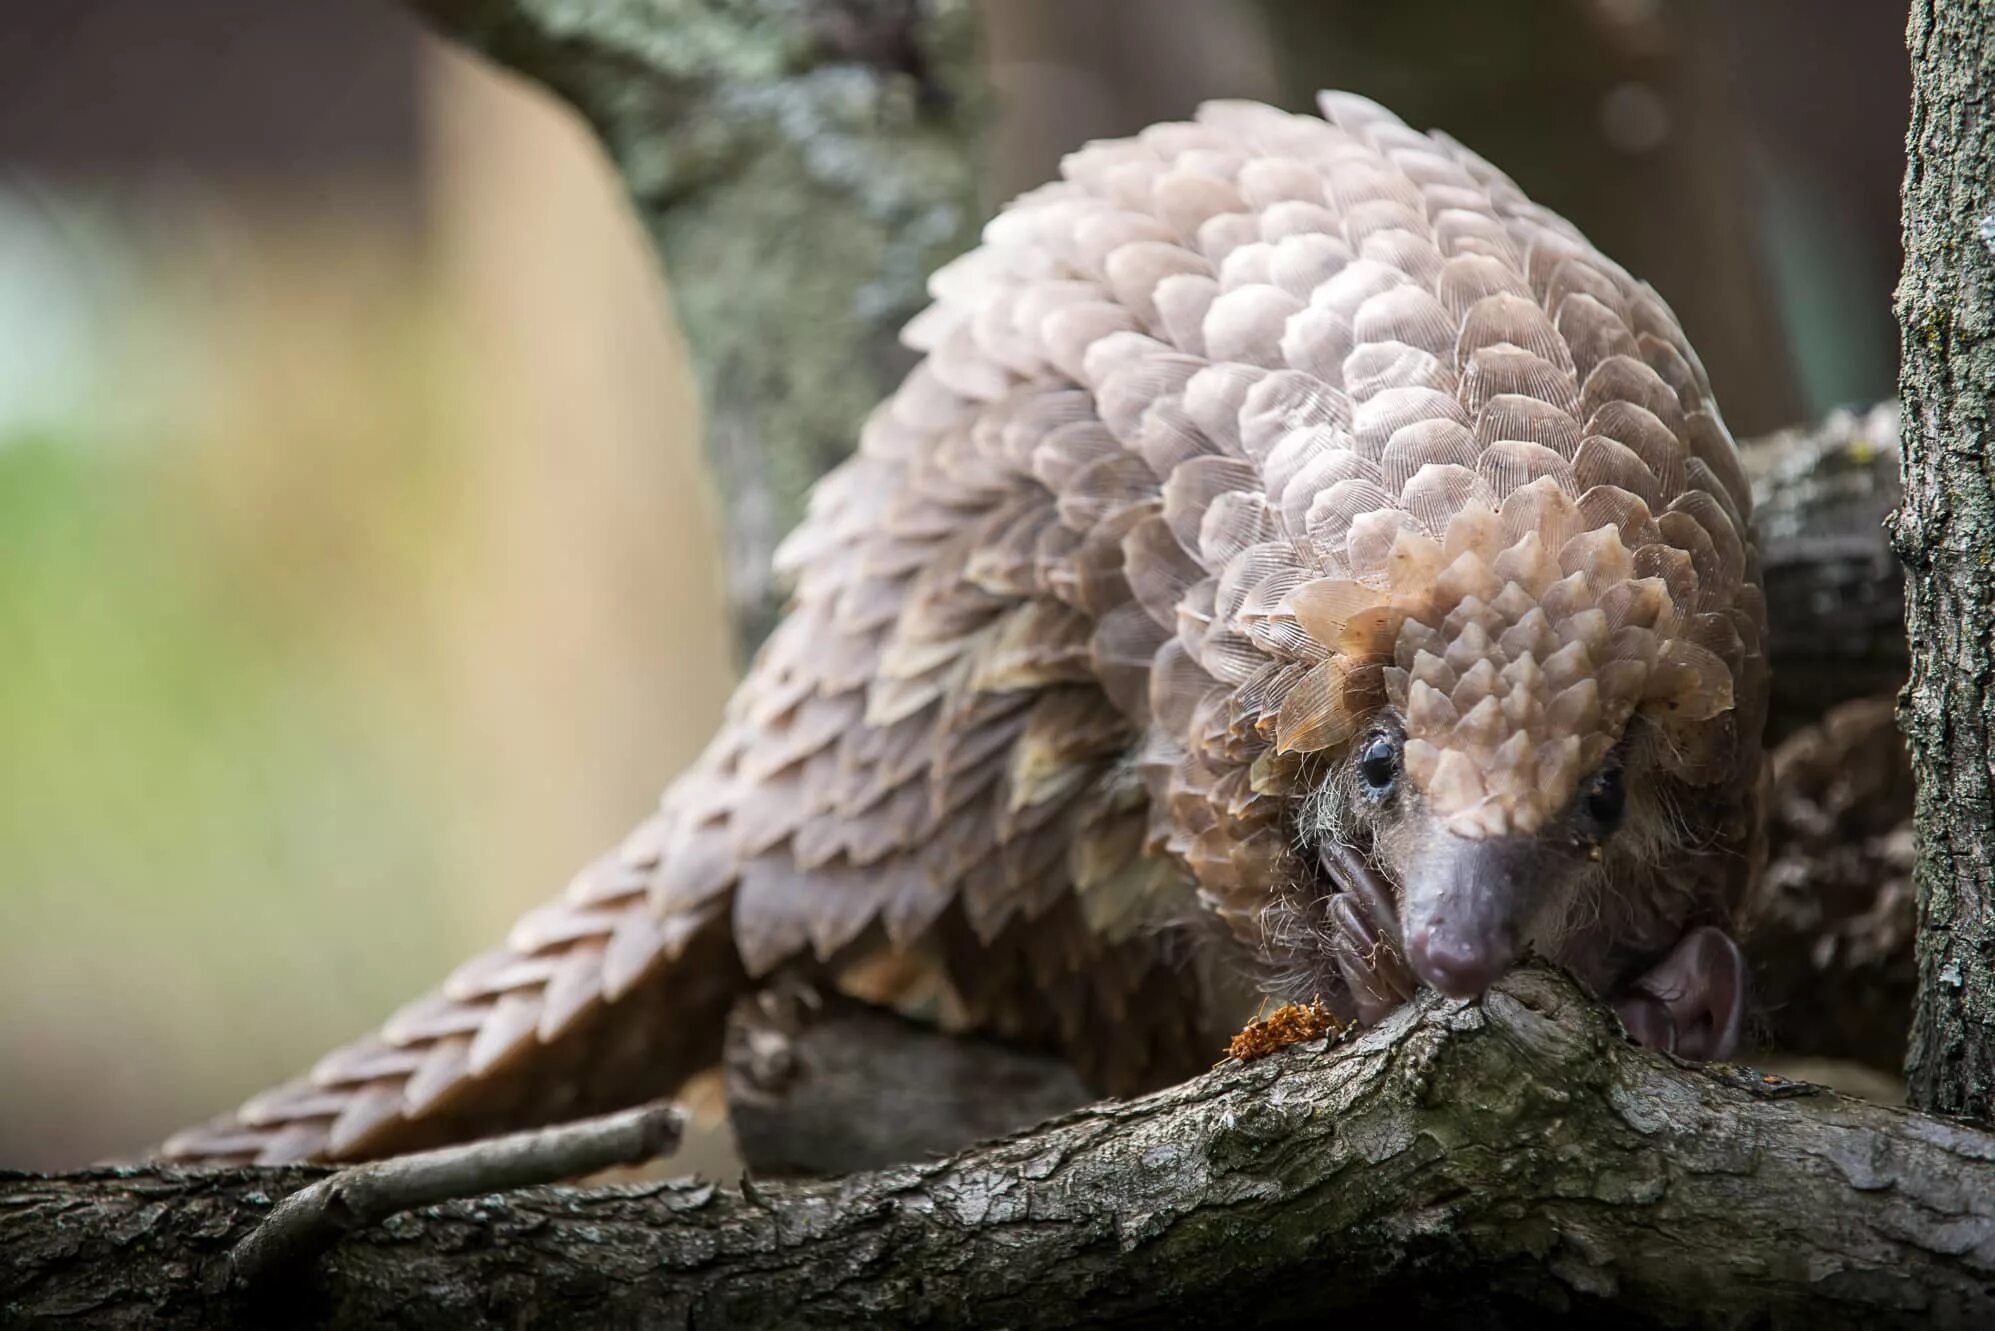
pixel 1946 535
pixel 801 166
pixel 1513 1162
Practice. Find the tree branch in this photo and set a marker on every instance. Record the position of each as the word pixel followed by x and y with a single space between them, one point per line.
pixel 801 169
pixel 1516 1157
pixel 312 1219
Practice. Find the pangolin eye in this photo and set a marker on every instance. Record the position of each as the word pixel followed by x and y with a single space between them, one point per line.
pixel 1378 765
pixel 1606 799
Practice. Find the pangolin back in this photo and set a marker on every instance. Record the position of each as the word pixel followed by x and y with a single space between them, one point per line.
pixel 1241 429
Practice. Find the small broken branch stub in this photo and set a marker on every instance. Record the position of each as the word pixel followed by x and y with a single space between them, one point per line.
pixel 314 1218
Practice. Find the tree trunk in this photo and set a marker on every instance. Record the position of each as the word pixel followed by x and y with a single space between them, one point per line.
pixel 1513 1162
pixel 1946 536
pixel 801 170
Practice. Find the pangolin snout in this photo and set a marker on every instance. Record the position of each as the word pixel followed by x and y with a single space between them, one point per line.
pixel 1468 904
pixel 1460 963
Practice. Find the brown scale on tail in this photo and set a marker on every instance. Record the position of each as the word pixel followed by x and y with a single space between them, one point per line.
pixel 1289 525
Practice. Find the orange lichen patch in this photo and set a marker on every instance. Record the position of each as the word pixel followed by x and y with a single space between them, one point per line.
pixel 1291 1024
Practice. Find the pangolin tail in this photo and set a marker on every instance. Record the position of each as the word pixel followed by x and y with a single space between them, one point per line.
pixel 598 1000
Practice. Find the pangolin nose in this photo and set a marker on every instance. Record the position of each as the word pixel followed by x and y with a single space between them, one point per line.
pixel 1459 964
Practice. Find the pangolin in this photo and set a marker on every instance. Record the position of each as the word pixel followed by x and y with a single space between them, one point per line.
pixel 1290 528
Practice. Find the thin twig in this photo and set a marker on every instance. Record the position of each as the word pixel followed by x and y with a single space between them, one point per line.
pixel 312 1219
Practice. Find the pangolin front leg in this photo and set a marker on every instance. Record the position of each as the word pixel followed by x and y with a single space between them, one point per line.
pixel 1692 1001
pixel 1365 941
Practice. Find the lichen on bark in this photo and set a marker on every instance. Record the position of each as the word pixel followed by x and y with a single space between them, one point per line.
pixel 1945 533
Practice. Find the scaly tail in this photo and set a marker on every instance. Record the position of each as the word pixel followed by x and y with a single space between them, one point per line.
pixel 597 1001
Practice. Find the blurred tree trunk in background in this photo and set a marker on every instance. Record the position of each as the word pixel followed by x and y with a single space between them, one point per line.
pixel 1064 72
pixel 800 180
pixel 1946 536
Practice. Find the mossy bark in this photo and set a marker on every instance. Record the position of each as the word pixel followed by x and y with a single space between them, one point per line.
pixel 801 165
pixel 1945 533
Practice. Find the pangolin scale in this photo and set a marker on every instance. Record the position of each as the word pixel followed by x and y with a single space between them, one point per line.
pixel 1289 526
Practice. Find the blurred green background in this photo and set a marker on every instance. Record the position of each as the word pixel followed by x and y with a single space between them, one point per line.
pixel 359 571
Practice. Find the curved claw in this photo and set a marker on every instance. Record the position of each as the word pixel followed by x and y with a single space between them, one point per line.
pixel 1693 1001
pixel 1354 874
pixel 1365 944
pixel 1370 966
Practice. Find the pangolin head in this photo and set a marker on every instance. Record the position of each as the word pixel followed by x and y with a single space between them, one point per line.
pixel 1452 557
pixel 1494 689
